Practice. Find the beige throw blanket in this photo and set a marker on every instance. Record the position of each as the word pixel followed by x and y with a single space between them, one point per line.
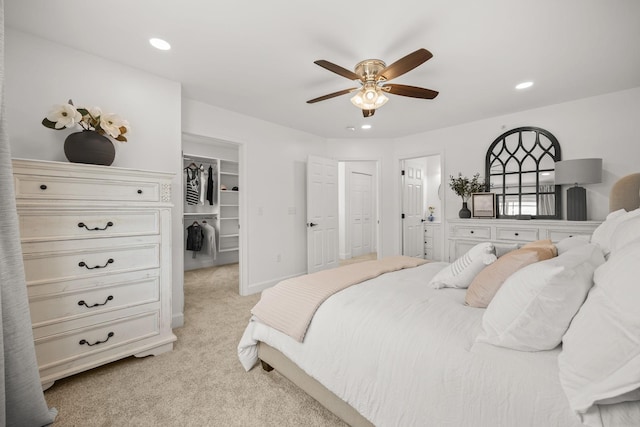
pixel 290 305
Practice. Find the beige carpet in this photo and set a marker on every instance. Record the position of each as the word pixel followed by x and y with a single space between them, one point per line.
pixel 200 383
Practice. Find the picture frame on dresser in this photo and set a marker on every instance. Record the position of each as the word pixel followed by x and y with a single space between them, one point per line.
pixel 483 205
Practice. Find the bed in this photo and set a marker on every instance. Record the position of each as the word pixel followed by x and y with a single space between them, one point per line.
pixel 393 351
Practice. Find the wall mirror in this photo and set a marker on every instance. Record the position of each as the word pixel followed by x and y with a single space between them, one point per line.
pixel 519 169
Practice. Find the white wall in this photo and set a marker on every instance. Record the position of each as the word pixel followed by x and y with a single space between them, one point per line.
pixel 273 164
pixel 40 74
pixel 603 126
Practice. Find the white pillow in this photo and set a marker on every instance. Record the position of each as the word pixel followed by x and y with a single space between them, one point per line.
pixel 626 232
pixel 535 305
pixel 461 272
pixel 602 235
pixel 571 242
pixel 600 359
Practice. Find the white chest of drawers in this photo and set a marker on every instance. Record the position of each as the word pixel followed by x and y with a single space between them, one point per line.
pixel 96 245
pixel 432 240
pixel 463 234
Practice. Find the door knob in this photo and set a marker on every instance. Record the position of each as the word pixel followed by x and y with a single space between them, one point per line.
pixel 311 224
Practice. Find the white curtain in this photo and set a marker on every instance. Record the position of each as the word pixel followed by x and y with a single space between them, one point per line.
pixel 546 202
pixel 23 402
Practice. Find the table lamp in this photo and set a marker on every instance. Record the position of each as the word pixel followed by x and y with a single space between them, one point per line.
pixel 578 172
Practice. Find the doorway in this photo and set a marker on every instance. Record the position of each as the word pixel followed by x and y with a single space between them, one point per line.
pixel 219 208
pixel 421 206
pixel 358 210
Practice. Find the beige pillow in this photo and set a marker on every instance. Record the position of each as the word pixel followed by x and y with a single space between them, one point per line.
pixel 487 282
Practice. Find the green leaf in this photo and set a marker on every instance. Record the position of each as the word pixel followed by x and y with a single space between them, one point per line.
pixel 83 111
pixel 48 123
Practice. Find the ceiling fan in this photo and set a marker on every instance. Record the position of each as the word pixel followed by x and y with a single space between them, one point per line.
pixel 373 75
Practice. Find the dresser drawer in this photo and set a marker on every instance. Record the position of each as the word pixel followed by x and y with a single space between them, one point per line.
pixel 476 232
pixel 86 224
pixel 67 265
pixel 68 188
pixel 517 234
pixel 428 242
pixel 557 235
pixel 88 301
pixel 68 346
pixel 428 231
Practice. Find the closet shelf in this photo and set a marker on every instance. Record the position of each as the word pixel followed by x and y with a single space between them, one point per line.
pixel 229 217
pixel 229 235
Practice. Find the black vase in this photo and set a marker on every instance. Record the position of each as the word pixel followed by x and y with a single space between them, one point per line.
pixel 89 147
pixel 464 212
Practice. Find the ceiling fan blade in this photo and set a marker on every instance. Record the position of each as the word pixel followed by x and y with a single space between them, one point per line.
pixel 411 91
pixel 405 64
pixel 368 113
pixel 331 95
pixel 337 69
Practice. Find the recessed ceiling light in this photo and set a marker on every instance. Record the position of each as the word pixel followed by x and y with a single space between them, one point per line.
pixel 365 127
pixel 160 44
pixel 524 85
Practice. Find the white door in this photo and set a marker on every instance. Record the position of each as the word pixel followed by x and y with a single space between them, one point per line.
pixel 322 214
pixel 361 212
pixel 413 208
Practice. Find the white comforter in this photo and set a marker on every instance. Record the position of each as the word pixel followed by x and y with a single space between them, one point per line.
pixel 403 354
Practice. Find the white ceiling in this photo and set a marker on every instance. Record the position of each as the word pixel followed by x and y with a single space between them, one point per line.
pixel 256 57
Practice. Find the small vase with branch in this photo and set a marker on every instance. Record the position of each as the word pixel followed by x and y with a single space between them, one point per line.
pixel 465 187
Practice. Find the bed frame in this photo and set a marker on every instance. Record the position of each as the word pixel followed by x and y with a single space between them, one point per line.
pixel 625 194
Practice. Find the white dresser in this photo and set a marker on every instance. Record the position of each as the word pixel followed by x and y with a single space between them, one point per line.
pixel 96 244
pixel 463 234
pixel 432 241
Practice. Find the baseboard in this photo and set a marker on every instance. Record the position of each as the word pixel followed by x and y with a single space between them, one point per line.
pixel 259 287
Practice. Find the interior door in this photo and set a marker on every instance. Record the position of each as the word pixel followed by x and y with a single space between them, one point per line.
pixel 360 213
pixel 413 208
pixel 322 214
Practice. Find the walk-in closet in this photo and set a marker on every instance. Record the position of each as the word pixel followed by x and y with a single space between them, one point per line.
pixel 211 202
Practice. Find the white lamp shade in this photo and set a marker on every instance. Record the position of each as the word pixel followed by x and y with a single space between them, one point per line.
pixel 578 171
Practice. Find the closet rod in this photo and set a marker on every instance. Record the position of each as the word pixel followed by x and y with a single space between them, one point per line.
pixel 196 158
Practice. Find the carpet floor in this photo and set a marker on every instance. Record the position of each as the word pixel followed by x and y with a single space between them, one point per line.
pixel 199 383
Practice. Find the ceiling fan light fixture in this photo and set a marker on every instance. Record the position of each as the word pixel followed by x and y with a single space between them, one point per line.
pixel 369 99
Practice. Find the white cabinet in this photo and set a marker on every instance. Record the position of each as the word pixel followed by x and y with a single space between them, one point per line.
pixel 432 241
pixel 96 243
pixel 463 234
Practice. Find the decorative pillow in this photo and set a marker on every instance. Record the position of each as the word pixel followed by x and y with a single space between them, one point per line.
pixel 600 358
pixel 535 305
pixel 571 242
pixel 603 234
pixel 488 281
pixel 462 271
pixel 626 232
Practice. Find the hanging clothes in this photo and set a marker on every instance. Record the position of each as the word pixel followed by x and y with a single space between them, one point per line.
pixel 195 238
pixel 210 186
pixel 193 186
pixel 209 239
pixel 201 189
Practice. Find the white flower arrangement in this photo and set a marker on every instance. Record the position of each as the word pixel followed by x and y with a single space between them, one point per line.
pixel 67 116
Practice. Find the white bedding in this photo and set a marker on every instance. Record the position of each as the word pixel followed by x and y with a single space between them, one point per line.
pixel 403 354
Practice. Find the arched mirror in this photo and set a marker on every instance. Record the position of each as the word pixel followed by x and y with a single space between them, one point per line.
pixel 519 169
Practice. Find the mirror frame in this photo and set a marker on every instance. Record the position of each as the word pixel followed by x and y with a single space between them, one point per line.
pixel 520 155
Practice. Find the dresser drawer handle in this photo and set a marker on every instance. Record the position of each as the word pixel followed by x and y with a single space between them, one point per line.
pixel 82 224
pixel 83 264
pixel 81 302
pixel 109 335
pixel 517 234
pixel 471 232
pixel 43 187
pixel 139 191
